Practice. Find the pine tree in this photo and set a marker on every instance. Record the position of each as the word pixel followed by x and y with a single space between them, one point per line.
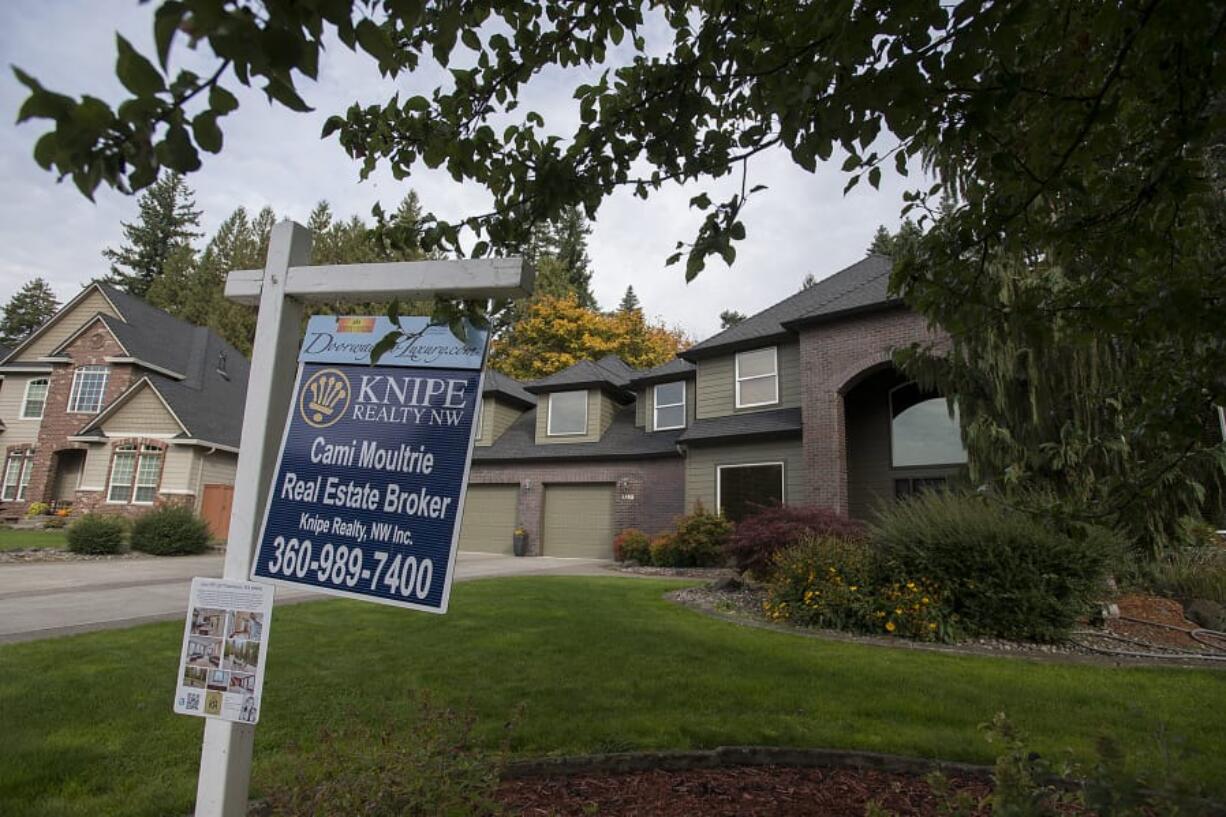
pixel 630 301
pixel 894 244
pixel 27 310
pixel 570 234
pixel 730 317
pixel 167 216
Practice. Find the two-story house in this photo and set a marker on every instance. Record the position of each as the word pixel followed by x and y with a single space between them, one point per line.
pixel 116 406
pixel 798 404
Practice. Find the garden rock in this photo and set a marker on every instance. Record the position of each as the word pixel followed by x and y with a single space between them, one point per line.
pixel 1207 613
pixel 727 584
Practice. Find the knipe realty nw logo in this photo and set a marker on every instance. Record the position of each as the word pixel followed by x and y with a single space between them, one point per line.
pixel 324 398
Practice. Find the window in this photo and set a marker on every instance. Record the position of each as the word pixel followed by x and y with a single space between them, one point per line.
pixel 921 430
pixel 740 490
pixel 669 403
pixel 567 413
pixel 134 474
pixel 757 378
pixel 910 486
pixel 88 386
pixel 35 399
pixel 17 474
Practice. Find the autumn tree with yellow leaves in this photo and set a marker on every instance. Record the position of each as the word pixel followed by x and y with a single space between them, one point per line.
pixel 557 332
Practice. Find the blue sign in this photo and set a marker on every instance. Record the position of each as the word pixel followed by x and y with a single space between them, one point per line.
pixel 369 487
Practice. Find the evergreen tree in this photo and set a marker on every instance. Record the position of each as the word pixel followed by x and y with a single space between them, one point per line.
pixel 730 317
pixel 27 310
pixel 895 244
pixel 630 301
pixel 570 234
pixel 165 223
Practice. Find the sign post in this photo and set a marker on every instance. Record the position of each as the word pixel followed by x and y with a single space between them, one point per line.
pixel 279 290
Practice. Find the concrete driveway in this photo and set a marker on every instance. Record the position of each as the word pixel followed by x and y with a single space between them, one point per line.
pixel 48 599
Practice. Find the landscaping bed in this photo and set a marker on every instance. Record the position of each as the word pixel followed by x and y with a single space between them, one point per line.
pixel 51 554
pixel 743 792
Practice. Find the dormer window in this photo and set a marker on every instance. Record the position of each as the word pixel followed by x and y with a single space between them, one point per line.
pixel 35 399
pixel 88 387
pixel 668 403
pixel 567 413
pixel 757 378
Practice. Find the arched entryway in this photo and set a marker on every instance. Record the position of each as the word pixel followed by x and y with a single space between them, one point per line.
pixel 900 439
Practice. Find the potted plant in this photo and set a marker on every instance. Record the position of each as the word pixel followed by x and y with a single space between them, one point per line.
pixel 521 542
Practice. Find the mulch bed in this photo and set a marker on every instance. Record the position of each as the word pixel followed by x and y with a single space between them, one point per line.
pixel 30 555
pixel 745 792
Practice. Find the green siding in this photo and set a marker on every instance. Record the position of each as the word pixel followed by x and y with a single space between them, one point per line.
pixel 497 417
pixel 701 462
pixel 649 402
pixel 599 415
pixel 716 384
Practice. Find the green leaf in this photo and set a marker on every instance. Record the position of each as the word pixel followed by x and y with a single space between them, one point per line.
pixel 393 311
pixel 283 92
pixel 177 152
pixel 385 344
pixel 874 177
pixel 166 21
pixel 331 125
pixel 207 134
pixel 135 72
pixel 702 201
pixel 221 101
pixel 480 249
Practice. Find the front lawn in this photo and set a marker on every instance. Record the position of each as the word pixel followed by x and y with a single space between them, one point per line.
pixel 601 664
pixel 12 539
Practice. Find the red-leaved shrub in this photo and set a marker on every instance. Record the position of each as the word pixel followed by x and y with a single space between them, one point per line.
pixel 630 544
pixel 757 538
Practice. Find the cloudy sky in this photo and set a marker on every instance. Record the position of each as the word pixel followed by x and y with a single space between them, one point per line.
pixel 274 157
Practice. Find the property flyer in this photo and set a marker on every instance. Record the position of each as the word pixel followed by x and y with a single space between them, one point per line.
pixel 225 646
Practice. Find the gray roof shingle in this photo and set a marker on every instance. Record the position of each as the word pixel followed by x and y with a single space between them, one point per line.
pixel 621 441
pixel 775 423
pixel 675 369
pixel 610 373
pixel 508 388
pixel 862 285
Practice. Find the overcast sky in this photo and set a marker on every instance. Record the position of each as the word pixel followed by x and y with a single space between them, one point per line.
pixel 274 157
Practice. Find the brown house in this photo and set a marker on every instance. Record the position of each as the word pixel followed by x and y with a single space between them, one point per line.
pixel 116 406
pixel 799 404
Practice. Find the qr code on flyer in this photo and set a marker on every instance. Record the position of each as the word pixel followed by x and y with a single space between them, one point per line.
pixel 191 701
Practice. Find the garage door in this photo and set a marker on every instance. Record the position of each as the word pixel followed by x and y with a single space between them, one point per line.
pixel 579 521
pixel 489 518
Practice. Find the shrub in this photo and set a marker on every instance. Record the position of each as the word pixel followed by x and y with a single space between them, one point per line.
pixel 95 533
pixel 426 763
pixel 665 552
pixel 1006 573
pixel 701 537
pixel 836 582
pixel 37 509
pixel 757 538
pixel 1189 573
pixel 632 544
pixel 171 531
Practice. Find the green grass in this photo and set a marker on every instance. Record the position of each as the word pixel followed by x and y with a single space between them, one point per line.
pixel 600 664
pixel 11 539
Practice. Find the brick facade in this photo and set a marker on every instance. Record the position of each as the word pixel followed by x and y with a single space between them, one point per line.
pixel 648 494
pixel 91 348
pixel 833 358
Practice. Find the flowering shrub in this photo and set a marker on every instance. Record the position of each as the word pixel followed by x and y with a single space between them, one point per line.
pixel 829 581
pixel 757 538
pixel 632 543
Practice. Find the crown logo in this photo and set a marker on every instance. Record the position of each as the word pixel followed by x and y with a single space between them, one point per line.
pixel 324 398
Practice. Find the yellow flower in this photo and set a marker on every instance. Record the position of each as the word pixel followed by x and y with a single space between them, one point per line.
pixel 853 588
pixel 898 611
pixel 889 626
pixel 925 599
pixel 932 626
pixel 910 585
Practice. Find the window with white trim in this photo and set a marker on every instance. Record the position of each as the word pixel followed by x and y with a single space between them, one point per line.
pixel 757 377
pixel 88 387
pixel 480 419
pixel 35 399
pixel 742 490
pixel 668 406
pixel 135 471
pixel 17 474
pixel 567 413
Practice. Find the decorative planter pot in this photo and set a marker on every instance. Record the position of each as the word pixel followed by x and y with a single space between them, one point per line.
pixel 521 544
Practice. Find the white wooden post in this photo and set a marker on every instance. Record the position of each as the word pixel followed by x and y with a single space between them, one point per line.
pixel 280 289
pixel 225 758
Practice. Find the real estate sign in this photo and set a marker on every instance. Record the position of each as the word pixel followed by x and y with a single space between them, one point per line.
pixel 225 644
pixel 369 486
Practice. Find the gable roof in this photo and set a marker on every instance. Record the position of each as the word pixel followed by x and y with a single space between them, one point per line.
pixel 863 285
pixel 508 388
pixel 675 369
pixel 610 373
pixel 54 319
